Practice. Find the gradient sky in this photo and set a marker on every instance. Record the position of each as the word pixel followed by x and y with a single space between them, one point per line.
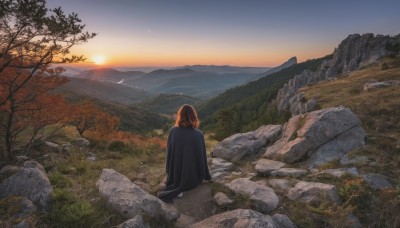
pixel 232 32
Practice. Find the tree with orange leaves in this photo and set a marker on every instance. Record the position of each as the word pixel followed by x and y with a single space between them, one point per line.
pixel 31 38
pixel 87 116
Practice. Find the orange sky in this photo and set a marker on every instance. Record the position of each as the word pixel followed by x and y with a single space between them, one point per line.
pixel 224 32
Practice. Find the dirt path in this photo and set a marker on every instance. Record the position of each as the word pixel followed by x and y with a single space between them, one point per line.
pixel 195 205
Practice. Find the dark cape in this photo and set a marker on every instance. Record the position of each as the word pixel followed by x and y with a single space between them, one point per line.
pixel 186 161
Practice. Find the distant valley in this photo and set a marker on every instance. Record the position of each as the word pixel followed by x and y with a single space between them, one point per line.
pixel 198 81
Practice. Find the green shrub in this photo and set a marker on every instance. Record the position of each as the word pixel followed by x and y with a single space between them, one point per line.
pixel 58 180
pixel 81 167
pixel 67 211
pixel 116 146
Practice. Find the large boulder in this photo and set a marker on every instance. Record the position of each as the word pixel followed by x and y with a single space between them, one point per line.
pixel 322 136
pixel 30 182
pixel 288 172
pixel 307 192
pixel 222 200
pixel 377 181
pixel 261 197
pixel 129 200
pixel 240 145
pixel 264 167
pixel 220 165
pixel 135 222
pixel 243 218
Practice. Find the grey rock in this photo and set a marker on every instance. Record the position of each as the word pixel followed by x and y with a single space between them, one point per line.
pixel 135 222
pixel 130 200
pixel 311 191
pixel 91 157
pixel 26 207
pixel 184 221
pixel 220 165
pixel 374 85
pixel 8 170
pixel 66 147
pixel 81 142
pixel 283 221
pixel 265 166
pixel 289 133
pixel 298 104
pixel 321 136
pixel 340 172
pixel 335 149
pixel 21 159
pixel 22 224
pixel 240 145
pixel 353 221
pixel 53 147
pixel 34 165
pixel 358 160
pixel 219 176
pixel 261 197
pixel 30 182
pixel 377 181
pixel 288 172
pixel 237 218
pixel 280 184
pixel 268 134
pixel 237 146
pixel 222 200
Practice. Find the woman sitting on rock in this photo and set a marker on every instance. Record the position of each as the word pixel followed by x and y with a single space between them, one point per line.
pixel 186 164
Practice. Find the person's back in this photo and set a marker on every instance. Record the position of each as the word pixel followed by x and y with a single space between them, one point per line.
pixel 186 164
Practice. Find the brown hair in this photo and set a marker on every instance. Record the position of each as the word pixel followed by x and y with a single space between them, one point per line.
pixel 187 117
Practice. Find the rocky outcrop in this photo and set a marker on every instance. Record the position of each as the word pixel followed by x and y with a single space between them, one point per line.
pixel 135 222
pixel 377 181
pixel 244 218
pixel 321 136
pixel 261 197
pixel 298 104
pixel 129 200
pixel 240 145
pixel 30 182
pixel 376 85
pixel 307 192
pixel 353 53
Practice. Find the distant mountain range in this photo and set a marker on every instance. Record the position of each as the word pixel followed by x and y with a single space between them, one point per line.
pixel 103 90
pixel 198 81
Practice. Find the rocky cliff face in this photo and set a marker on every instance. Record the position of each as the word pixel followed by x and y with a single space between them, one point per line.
pixel 353 53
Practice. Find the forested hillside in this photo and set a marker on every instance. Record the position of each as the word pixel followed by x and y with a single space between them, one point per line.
pixel 169 103
pixel 246 107
pixel 131 117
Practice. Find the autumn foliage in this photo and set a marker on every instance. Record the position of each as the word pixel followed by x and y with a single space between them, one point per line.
pixel 87 116
pixel 32 37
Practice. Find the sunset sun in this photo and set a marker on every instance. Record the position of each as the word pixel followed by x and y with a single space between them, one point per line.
pixel 99 59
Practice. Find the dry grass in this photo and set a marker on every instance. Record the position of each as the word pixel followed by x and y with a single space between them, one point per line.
pixel 74 177
pixel 379 111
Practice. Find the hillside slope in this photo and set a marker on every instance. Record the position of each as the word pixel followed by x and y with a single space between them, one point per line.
pixel 132 118
pixel 250 100
pixel 104 90
pixel 169 103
